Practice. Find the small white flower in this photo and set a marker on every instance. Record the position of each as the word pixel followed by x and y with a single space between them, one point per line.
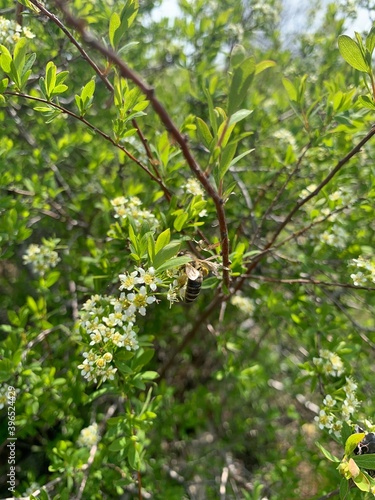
pixel 128 281
pixel 329 401
pixel 148 278
pixel 89 436
pixel 324 420
pixel 359 279
pixel 95 337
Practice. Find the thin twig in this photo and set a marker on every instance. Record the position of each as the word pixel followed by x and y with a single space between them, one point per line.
pixel 331 494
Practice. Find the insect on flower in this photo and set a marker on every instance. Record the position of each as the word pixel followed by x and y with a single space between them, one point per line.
pixel 195 272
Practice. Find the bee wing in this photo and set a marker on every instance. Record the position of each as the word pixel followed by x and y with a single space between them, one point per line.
pixel 192 273
pixel 213 267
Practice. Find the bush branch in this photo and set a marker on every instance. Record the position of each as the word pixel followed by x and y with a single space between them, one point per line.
pixel 126 72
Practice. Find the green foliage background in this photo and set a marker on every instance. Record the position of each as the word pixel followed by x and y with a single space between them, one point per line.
pixel 238 393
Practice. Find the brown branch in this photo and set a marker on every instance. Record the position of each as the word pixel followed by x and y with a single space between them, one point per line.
pixel 149 92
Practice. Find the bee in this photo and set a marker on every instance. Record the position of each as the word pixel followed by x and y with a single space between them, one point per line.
pixel 195 273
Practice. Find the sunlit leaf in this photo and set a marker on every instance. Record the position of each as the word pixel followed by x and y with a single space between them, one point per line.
pixel 352 54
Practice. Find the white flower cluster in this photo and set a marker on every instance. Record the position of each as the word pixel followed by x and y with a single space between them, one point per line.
pixel 89 436
pixel 335 412
pixel 41 257
pixel 131 207
pixel 11 32
pixel 266 13
pixel 329 363
pixel 335 237
pixel 245 304
pixel 286 137
pixel 109 322
pixel 331 209
pixel 193 187
pixel 366 275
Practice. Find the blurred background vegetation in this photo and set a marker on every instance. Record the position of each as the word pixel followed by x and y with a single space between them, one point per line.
pixel 236 405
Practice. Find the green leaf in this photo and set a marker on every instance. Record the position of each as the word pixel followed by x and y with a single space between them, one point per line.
pixel 264 65
pixel 290 89
pixel 226 158
pixel 352 442
pixel 350 51
pixel 88 91
pixel 6 369
pixel 241 80
pixel 151 247
pixel 346 431
pixel 166 253
pixel 366 461
pixel 114 23
pixel 150 375
pixel 327 453
pixel 211 111
pixel 142 359
pixel 79 104
pixel 366 102
pixel 33 8
pixel 362 482
pixel 30 59
pixel 13 318
pixel 133 457
pixel 237 55
pixel 129 12
pixel 61 77
pixel 239 157
pixel 5 59
pixel 239 115
pixel 59 89
pixel 51 279
pixel 204 132
pixel 162 240
pixel 344 489
pixel 174 263
pixel 118 444
pixel 50 78
pixel 370 41
pixel 19 55
pixel 180 220
pixel 127 17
